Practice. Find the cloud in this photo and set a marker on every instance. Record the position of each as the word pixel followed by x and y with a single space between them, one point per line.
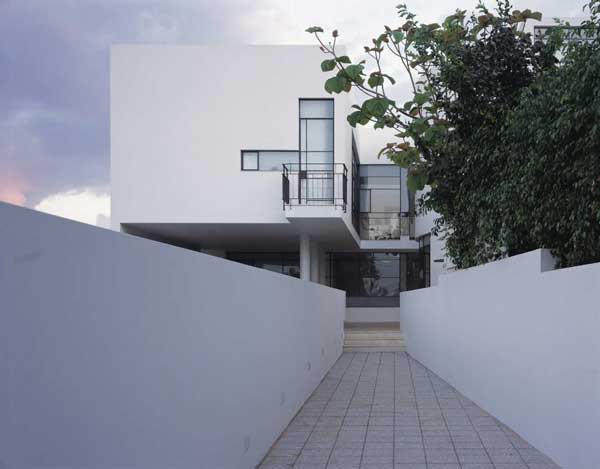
pixel 54 56
pixel 85 206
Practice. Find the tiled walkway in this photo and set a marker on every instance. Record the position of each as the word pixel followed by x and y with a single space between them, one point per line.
pixel 386 410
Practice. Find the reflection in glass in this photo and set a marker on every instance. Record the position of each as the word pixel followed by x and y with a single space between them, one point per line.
pixel 376 278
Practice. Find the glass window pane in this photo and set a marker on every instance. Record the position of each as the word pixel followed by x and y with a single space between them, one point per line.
pixel 319 135
pixel 381 286
pixel 316 108
pixel 380 226
pixel 385 170
pixel 385 200
pixel 386 264
pixel 319 161
pixel 241 257
pixel 365 200
pixel 268 261
pixel 250 160
pixel 274 160
pixel 291 264
pixel 380 181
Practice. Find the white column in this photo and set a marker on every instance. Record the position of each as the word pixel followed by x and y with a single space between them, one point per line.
pixel 305 257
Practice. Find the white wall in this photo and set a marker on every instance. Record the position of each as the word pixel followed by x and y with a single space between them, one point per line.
pixel 521 342
pixel 180 115
pixel 117 351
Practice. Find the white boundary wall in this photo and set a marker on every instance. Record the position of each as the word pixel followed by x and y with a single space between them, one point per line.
pixel 122 352
pixel 522 341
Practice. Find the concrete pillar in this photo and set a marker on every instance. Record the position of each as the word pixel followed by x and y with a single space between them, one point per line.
pixel 305 257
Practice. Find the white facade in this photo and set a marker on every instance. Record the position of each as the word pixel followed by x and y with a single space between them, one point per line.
pixel 181 117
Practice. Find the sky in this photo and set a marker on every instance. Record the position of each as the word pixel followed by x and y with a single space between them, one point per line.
pixel 54 64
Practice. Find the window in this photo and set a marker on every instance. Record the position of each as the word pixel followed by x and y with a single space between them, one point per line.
pixel 287 263
pixel 250 161
pixel 380 202
pixel 316 133
pixel 267 160
pixel 375 278
pixel 315 151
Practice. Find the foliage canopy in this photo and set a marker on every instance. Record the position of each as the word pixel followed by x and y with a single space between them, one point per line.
pixel 505 136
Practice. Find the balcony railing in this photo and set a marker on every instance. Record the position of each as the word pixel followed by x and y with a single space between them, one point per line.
pixel 384 226
pixel 315 184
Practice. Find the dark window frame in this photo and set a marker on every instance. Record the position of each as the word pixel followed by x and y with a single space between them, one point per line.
pixel 299 149
pixel 300 119
pixel 355 260
pixel 258 152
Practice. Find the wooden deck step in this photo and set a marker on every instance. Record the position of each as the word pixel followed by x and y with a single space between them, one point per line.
pixel 373 337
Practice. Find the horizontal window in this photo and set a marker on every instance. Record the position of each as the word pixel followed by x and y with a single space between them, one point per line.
pixel 267 160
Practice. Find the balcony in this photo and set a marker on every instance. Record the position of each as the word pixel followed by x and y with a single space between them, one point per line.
pixel 315 184
pixel 386 226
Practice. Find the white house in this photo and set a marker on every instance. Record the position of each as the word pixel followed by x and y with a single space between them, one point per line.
pixel 239 152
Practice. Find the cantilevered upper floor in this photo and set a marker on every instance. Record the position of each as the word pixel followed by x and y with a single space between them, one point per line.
pixel 217 145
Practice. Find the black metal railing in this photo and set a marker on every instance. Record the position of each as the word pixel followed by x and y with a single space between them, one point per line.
pixel 315 184
pixel 384 226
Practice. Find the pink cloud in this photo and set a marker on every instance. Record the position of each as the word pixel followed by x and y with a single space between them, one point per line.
pixel 13 188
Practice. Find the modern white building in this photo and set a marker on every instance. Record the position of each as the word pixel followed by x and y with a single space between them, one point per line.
pixel 239 152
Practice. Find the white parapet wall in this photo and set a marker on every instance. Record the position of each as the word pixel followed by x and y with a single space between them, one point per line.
pixel 522 341
pixel 122 352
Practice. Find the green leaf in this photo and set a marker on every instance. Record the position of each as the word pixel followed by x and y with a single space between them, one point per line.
pixel 354 118
pixel 416 181
pixel 354 71
pixel 376 106
pixel 398 36
pixel 392 81
pixel 343 59
pixel 335 84
pixel 314 29
pixel 421 98
pixel 328 65
pixel 536 15
pixel 375 79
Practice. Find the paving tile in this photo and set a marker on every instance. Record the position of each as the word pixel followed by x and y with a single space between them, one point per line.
pixel 440 455
pixel 386 410
pixel 532 455
pixel 472 456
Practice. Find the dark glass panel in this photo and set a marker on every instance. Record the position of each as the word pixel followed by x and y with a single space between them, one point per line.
pixel 385 201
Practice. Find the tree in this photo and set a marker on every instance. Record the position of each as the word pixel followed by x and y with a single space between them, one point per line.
pixel 468 76
pixel 552 141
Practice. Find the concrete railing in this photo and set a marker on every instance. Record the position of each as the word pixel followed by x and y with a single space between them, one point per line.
pixel 117 351
pixel 521 340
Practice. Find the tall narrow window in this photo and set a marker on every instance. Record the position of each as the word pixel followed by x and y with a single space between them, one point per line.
pixel 316 133
pixel 316 179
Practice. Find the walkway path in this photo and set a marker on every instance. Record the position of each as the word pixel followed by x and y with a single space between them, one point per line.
pixel 387 411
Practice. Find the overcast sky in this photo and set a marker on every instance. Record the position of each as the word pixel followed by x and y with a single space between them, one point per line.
pixel 54 56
